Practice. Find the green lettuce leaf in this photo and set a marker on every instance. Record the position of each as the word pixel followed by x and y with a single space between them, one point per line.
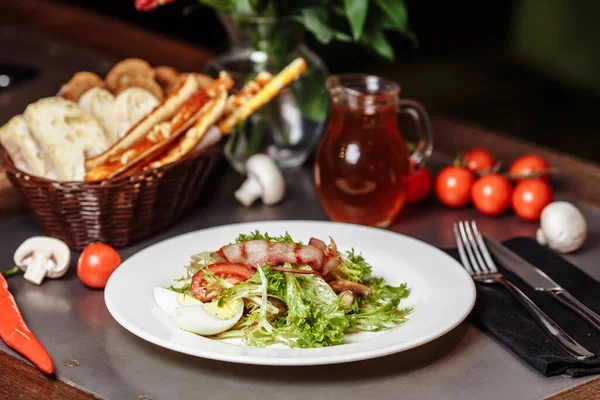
pixel 256 235
pixel 354 267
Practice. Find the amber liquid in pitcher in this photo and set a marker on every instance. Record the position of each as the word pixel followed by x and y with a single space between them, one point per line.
pixel 362 163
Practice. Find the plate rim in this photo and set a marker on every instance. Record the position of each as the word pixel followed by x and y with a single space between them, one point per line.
pixel 298 361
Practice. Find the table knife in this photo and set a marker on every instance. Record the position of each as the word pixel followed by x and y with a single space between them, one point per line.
pixel 538 280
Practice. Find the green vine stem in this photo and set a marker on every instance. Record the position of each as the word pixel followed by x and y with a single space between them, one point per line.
pixel 10 272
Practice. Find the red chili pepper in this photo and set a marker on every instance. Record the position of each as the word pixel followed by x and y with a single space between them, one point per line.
pixel 17 335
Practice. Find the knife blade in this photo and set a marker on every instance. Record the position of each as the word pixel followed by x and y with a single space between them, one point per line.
pixel 539 280
pixel 513 262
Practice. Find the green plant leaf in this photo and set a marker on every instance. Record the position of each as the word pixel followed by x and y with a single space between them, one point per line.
pixel 395 15
pixel 338 9
pixel 315 21
pixel 221 5
pixel 259 5
pixel 374 38
pixel 342 36
pixel 356 12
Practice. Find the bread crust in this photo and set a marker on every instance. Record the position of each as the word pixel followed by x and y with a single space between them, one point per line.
pixel 23 150
pixel 80 83
pixel 166 77
pixel 127 69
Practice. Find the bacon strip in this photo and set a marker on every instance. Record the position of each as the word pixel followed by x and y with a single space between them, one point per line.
pixel 332 259
pixel 260 252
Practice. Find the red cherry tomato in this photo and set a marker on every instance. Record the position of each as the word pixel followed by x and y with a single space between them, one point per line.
pixel 479 160
pixel 530 197
pixel 231 272
pixel 529 164
pixel 453 186
pixel 419 185
pixel 96 264
pixel 491 194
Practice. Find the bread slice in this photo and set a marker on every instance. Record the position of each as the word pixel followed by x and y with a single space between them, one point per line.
pixel 166 110
pixel 23 149
pixel 131 105
pixel 100 103
pixel 67 133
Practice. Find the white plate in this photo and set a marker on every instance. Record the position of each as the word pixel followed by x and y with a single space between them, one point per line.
pixel 442 293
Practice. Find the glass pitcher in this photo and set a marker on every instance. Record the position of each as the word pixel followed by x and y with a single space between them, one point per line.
pixel 362 163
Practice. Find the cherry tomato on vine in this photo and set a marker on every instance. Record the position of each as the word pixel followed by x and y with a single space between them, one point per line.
pixel 419 185
pixel 96 264
pixel 530 197
pixel 491 194
pixel 453 186
pixel 530 164
pixel 478 160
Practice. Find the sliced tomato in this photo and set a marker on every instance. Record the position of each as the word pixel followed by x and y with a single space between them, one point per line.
pixel 233 273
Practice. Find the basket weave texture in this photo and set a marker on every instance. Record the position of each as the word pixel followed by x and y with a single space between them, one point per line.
pixel 120 211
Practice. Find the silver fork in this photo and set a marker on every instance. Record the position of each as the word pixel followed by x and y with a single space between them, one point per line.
pixel 479 264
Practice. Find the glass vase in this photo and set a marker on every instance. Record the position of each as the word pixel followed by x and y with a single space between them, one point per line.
pixel 290 126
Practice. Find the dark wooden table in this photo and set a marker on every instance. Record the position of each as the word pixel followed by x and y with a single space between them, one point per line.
pixel 576 179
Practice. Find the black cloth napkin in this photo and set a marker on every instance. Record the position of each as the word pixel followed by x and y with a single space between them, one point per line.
pixel 501 316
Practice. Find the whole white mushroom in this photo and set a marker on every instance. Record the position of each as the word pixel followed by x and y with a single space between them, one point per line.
pixel 264 181
pixel 562 227
pixel 42 257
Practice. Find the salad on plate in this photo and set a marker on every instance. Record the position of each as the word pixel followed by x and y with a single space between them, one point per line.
pixel 269 290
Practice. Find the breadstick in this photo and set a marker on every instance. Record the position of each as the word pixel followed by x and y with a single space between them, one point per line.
pixel 195 133
pixel 266 94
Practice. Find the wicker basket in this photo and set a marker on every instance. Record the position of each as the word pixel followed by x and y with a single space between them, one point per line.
pixel 119 211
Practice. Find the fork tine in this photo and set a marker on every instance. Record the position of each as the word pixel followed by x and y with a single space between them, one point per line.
pixel 461 250
pixel 484 251
pixel 475 247
pixel 463 235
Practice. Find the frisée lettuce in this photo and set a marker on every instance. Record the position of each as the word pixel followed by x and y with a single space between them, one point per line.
pixel 300 308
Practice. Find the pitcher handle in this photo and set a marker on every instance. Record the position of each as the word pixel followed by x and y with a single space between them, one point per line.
pixel 425 144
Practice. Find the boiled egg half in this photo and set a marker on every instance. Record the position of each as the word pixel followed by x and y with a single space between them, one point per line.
pixel 192 315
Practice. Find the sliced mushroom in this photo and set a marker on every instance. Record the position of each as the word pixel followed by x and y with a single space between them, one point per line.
pixel 357 289
pixel 264 180
pixel 42 256
pixel 281 308
pixel 347 298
